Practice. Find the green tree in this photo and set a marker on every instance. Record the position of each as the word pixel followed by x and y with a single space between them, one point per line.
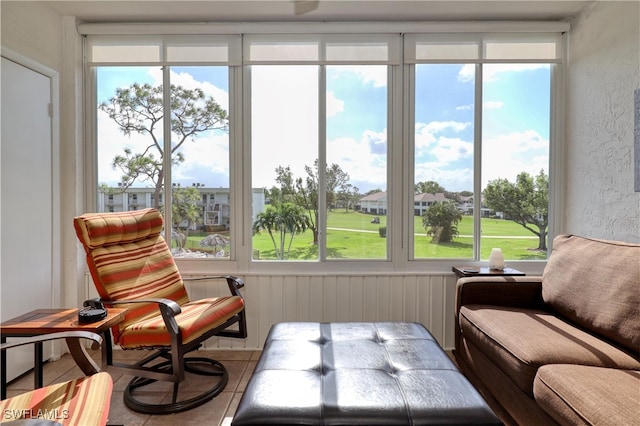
pixel 347 195
pixel 372 191
pixel 429 187
pixel 525 202
pixel 139 109
pixel 283 221
pixel 184 207
pixel 304 192
pixel 440 221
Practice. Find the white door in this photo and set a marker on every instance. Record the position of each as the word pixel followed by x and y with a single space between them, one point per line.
pixel 25 199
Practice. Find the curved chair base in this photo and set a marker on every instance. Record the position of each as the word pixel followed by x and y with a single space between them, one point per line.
pixel 192 365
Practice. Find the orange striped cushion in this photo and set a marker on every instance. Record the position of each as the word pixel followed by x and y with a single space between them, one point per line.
pixel 82 402
pixel 99 229
pixel 196 318
pixel 129 265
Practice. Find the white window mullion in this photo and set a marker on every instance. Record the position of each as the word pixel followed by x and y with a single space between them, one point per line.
pixel 408 152
pixel 477 163
pixel 244 189
pixel 322 163
pixel 166 158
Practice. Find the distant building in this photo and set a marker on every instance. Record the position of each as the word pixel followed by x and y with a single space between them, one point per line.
pixel 375 203
pixel 214 202
pixel 466 206
pixel 422 202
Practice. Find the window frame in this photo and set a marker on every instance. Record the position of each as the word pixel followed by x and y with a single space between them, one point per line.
pixel 399 144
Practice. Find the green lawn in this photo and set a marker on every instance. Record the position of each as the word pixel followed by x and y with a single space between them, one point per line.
pixel 343 242
pixel 351 235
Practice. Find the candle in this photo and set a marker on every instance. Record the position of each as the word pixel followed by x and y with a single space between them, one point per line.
pixel 496 259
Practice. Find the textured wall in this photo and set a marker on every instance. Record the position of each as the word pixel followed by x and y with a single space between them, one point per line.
pixel 604 71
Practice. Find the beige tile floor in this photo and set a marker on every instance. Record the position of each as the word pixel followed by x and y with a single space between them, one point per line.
pixel 219 411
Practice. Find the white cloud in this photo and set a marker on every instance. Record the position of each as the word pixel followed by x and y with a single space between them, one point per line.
pixel 493 104
pixel 426 133
pixel 506 156
pixel 365 160
pixel 459 179
pixel 377 75
pixel 467 73
pixel 334 105
pixel 284 127
pixel 111 142
pixel 465 107
pixel 436 152
pixel 490 72
pixel 449 150
pixel 207 155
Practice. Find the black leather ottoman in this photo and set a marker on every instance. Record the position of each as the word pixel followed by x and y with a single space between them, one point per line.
pixel 358 373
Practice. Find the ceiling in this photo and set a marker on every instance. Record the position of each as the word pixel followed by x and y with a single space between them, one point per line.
pixel 316 10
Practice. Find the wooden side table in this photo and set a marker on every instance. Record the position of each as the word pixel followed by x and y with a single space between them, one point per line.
pixel 484 271
pixel 45 321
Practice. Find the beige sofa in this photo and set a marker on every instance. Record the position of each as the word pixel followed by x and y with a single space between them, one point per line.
pixel 562 348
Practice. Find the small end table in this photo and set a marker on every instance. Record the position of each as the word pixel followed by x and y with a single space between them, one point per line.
pixel 484 271
pixel 45 321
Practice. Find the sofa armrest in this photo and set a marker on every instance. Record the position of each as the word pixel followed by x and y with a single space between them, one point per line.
pixel 515 291
pixel 523 292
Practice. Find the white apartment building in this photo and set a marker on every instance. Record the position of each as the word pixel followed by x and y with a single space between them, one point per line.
pixel 214 202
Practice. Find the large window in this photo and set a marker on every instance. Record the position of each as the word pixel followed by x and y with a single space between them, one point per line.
pixel 284 149
pixel 515 159
pixel 394 147
pixel 443 161
pixel 163 135
pixel 481 144
pixel 296 223
pixel 319 107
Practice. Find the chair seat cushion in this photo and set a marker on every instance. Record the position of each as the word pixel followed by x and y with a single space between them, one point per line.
pixel 522 340
pixel 579 394
pixel 197 318
pixel 84 401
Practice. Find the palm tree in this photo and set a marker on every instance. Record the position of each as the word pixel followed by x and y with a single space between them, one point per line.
pixel 279 220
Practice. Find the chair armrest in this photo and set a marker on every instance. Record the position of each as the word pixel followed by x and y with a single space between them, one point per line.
pixel 168 309
pixel 54 336
pixel 167 306
pixel 234 283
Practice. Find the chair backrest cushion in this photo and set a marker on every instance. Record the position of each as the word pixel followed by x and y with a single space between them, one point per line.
pixel 129 259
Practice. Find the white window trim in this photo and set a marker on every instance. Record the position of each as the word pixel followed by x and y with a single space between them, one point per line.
pixel 399 153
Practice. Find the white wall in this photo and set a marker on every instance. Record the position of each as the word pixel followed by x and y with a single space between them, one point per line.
pixel 38 33
pixel 34 30
pixel 604 71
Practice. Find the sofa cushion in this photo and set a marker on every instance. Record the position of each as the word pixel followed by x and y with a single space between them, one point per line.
pixel 578 394
pixel 596 284
pixel 521 340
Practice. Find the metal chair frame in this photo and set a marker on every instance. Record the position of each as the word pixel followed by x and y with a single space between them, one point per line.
pixel 173 369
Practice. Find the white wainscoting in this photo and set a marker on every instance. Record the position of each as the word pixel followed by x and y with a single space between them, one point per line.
pixel 427 299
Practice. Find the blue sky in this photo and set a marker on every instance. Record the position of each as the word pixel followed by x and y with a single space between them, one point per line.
pixel 284 127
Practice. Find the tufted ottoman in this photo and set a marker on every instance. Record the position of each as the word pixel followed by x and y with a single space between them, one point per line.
pixel 357 373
